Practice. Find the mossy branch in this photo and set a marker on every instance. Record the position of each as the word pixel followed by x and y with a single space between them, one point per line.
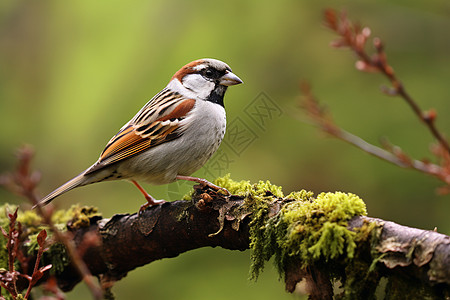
pixel 320 239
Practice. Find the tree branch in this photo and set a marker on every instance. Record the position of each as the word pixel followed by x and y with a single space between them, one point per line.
pixel 354 37
pixel 129 241
pixel 24 182
pixel 392 154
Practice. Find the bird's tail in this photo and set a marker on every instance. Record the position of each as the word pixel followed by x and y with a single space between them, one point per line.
pixel 77 181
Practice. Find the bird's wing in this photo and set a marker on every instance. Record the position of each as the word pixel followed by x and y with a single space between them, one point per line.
pixel 156 123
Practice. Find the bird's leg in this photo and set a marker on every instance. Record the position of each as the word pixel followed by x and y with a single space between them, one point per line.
pixel 150 200
pixel 203 183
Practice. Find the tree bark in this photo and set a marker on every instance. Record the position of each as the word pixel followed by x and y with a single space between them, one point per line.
pixel 113 247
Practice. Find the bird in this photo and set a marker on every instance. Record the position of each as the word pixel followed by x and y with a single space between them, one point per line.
pixel 171 137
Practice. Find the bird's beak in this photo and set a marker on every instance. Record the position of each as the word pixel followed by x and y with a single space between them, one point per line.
pixel 229 79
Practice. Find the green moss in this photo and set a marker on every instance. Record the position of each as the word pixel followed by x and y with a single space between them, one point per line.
pixel 245 188
pixel 307 229
pixel 317 228
pixel 359 282
pixel 32 224
pixel 77 216
pixel 58 257
pixel 4 223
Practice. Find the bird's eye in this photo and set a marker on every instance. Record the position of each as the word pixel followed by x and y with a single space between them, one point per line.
pixel 209 73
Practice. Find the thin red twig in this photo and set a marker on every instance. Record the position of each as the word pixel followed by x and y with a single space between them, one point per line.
pixel 322 118
pixel 37 272
pixel 354 37
pixel 24 182
pixel 8 278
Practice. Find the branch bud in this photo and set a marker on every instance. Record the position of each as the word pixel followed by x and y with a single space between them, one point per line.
pixel 430 115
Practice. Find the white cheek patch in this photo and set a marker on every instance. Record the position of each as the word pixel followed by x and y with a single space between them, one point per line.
pixel 193 81
pixel 199 85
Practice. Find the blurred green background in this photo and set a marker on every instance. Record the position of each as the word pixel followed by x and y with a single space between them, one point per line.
pixel 72 73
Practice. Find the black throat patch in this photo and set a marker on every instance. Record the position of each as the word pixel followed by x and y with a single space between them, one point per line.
pixel 217 94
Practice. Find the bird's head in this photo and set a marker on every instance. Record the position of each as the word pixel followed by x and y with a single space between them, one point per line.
pixel 207 78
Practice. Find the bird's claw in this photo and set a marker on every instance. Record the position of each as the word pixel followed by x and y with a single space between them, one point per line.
pixel 151 202
pixel 206 183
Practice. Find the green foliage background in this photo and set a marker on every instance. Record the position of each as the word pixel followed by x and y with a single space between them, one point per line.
pixel 72 73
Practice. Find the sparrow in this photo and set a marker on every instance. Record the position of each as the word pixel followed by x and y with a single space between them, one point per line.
pixel 170 138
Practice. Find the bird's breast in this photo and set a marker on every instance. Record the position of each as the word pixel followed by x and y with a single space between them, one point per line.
pixel 202 132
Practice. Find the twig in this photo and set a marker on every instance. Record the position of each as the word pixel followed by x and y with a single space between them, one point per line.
pixel 355 38
pixel 37 272
pixel 8 279
pixel 24 182
pixel 322 118
pixel 71 249
pixel 128 242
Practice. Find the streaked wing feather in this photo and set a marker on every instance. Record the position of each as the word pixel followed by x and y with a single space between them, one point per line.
pixel 158 122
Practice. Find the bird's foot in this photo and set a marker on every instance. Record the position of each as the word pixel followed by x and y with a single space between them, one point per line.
pixel 150 200
pixel 204 183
